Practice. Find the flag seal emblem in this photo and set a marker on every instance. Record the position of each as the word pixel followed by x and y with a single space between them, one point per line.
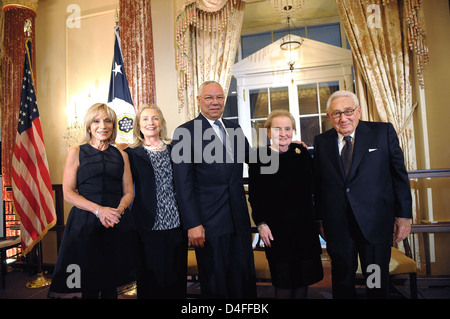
pixel 125 124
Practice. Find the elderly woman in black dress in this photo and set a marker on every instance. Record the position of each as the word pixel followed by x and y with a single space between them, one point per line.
pixel 162 247
pixel 282 208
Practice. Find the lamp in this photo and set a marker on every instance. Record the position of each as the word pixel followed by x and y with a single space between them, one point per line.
pixel 289 44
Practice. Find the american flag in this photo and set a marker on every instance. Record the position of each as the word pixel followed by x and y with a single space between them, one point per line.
pixel 119 97
pixel 32 188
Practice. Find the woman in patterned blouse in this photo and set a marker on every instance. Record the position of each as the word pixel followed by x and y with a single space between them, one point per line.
pixel 162 248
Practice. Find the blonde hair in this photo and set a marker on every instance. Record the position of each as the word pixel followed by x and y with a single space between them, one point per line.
pixel 90 116
pixel 278 113
pixel 137 134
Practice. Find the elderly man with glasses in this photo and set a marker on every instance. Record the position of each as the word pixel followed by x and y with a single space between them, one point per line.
pixel 362 195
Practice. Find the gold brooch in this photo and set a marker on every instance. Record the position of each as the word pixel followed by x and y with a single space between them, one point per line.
pixel 297 150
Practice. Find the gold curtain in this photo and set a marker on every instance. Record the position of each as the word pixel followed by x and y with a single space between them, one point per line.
pixel 207 34
pixel 377 34
pixel 382 34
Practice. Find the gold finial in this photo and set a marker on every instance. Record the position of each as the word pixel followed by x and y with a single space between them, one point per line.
pixel 116 17
pixel 27 27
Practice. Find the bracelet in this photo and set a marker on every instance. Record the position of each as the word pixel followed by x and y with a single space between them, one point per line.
pixel 261 225
pixel 98 209
pixel 124 208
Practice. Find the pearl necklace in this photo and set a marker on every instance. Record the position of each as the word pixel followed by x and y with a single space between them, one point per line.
pixel 154 148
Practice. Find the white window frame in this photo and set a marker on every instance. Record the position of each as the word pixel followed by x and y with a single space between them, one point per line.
pixel 244 88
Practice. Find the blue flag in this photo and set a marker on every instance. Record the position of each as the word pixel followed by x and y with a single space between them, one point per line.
pixel 119 98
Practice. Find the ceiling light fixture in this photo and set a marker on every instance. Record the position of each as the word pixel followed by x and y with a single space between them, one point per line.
pixel 288 43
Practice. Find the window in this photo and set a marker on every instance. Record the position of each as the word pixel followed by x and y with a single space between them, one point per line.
pixel 265 83
pixel 231 106
pixel 312 103
pixel 309 108
pixel 262 102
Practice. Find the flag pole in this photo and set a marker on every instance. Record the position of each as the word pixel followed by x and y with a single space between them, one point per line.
pixel 41 280
pixel 130 290
pixel 116 18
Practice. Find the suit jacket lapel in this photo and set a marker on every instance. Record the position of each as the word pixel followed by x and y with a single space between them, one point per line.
pixel 232 140
pixel 140 152
pixel 205 125
pixel 362 139
pixel 334 156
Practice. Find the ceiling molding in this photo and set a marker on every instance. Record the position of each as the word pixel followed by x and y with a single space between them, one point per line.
pixel 260 15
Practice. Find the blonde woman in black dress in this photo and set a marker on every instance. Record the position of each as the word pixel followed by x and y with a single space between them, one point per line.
pixel 282 207
pixel 96 254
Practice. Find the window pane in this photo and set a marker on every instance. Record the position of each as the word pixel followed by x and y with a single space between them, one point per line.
pixel 234 120
pixel 231 106
pixel 307 98
pixel 326 125
pixel 279 98
pixel 325 90
pixel 259 106
pixel 309 127
pixel 256 127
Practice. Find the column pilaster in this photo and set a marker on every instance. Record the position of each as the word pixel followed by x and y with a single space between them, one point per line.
pixel 16 12
pixel 136 34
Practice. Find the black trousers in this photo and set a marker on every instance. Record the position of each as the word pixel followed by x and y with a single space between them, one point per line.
pixel 162 264
pixel 226 267
pixel 344 262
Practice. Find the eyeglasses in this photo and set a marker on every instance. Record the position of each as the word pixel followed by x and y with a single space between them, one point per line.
pixel 209 98
pixel 348 112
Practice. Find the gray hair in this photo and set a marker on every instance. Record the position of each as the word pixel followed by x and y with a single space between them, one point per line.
pixel 342 93
pixel 279 113
pixel 200 88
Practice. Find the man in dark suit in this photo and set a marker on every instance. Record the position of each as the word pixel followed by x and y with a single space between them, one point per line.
pixel 211 197
pixel 362 195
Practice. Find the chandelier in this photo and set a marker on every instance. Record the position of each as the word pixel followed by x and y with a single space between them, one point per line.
pixel 288 43
pixel 74 131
